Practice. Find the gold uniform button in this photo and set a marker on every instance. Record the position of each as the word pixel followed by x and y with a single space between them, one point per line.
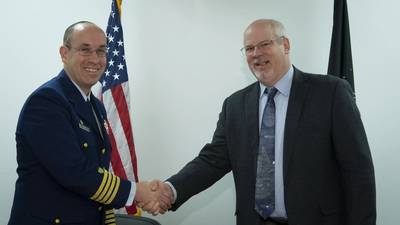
pixel 85 145
pixel 57 221
pixel 103 151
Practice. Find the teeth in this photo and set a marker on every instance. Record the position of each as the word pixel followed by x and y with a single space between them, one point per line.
pixel 261 63
pixel 91 69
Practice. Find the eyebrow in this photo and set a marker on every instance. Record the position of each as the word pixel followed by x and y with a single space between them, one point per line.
pixel 266 40
pixel 88 45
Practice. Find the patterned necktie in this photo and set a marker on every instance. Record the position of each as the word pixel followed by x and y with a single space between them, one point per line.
pixel 265 181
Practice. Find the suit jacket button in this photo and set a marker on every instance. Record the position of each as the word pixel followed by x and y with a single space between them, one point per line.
pixel 57 221
pixel 85 145
pixel 103 151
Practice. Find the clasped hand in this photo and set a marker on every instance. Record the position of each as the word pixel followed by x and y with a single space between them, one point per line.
pixel 154 197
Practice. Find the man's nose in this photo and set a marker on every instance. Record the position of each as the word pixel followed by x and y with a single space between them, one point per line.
pixel 255 52
pixel 94 57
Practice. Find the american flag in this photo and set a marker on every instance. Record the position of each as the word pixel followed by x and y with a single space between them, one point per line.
pixel 115 96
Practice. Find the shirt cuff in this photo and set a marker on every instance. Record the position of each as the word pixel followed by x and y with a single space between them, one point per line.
pixel 132 193
pixel 173 190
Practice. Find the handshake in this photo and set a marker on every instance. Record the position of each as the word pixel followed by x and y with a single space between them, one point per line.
pixel 154 197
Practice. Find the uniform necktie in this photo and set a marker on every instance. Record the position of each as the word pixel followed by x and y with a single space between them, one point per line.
pixel 265 180
pixel 95 117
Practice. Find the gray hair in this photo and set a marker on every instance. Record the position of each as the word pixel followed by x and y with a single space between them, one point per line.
pixel 276 26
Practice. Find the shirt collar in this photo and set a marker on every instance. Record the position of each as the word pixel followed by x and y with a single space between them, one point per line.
pixel 84 96
pixel 283 85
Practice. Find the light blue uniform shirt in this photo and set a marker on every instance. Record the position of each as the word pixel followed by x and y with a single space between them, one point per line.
pixel 281 104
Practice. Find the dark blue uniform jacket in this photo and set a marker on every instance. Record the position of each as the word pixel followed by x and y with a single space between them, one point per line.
pixel 63 160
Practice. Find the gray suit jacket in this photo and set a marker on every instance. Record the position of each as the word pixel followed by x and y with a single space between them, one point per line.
pixel 327 165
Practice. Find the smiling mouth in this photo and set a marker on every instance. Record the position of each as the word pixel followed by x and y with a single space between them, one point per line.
pixel 91 70
pixel 263 63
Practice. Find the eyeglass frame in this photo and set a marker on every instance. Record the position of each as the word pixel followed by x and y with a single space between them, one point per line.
pixel 86 51
pixel 249 49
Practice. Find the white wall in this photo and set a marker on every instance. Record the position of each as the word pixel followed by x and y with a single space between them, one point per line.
pixel 183 60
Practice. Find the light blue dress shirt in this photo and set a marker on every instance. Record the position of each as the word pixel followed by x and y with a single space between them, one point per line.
pixel 281 103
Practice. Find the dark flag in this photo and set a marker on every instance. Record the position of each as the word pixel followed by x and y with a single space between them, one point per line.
pixel 340 60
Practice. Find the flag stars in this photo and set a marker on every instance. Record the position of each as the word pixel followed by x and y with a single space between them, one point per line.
pixel 110 38
pixel 107 72
pixel 121 66
pixel 115 73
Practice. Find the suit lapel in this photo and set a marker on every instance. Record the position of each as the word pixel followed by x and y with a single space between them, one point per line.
pixel 296 103
pixel 251 113
pixel 80 106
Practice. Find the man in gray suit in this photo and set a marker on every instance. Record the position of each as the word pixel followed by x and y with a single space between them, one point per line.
pixel 322 171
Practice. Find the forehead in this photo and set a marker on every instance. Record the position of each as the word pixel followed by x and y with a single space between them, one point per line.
pixel 89 35
pixel 257 33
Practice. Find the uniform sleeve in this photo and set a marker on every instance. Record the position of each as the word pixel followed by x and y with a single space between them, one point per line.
pixel 49 133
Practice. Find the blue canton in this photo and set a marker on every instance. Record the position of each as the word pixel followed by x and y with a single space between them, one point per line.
pixel 116 71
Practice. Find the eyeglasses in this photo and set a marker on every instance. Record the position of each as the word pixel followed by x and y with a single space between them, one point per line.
pixel 86 51
pixel 250 49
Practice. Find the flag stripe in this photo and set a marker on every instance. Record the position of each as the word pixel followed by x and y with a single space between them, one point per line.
pixel 120 163
pixel 116 163
pixel 122 107
pixel 115 96
pixel 118 169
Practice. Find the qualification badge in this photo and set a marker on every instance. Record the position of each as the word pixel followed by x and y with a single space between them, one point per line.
pixel 83 127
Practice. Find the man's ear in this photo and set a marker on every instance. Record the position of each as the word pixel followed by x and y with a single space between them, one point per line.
pixel 286 45
pixel 63 52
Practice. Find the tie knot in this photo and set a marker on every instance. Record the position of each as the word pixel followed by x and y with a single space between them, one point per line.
pixel 89 103
pixel 271 93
